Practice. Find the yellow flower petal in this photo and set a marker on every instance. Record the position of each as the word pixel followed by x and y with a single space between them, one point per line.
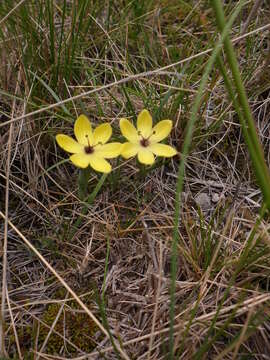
pixel 102 133
pixel 145 156
pixel 161 131
pixel 129 131
pixel 100 164
pixel 144 123
pixel 108 151
pixel 162 150
pixel 81 160
pixel 129 150
pixel 68 144
pixel 83 130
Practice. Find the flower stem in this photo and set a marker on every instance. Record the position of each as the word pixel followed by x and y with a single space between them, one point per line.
pixel 87 201
pixel 83 178
pixel 94 193
pixel 142 171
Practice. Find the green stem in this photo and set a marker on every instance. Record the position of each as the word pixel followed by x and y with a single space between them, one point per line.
pixel 247 122
pixel 88 201
pixel 143 171
pixel 83 178
pixel 93 195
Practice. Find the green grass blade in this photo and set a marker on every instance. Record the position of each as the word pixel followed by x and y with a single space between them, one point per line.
pixel 181 171
pixel 247 122
pixel 51 91
pixel 61 41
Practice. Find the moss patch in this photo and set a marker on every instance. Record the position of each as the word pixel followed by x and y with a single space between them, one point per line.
pixel 73 324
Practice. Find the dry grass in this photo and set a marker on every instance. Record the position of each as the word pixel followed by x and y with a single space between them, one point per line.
pixel 68 297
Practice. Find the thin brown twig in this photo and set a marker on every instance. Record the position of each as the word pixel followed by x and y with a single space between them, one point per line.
pixel 157 301
pixel 14 326
pixel 242 334
pixel 53 326
pixel 11 11
pixel 63 282
pixel 4 266
pixel 28 194
pixel 253 11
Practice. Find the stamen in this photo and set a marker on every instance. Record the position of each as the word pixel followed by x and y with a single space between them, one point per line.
pixel 88 149
pixel 145 141
pixel 87 137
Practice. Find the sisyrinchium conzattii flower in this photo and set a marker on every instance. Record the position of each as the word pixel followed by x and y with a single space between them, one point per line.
pixel 91 147
pixel 145 140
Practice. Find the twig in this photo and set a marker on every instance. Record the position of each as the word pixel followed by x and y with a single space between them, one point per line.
pixel 253 11
pixel 156 302
pixel 4 274
pixel 14 327
pixel 62 281
pixel 11 11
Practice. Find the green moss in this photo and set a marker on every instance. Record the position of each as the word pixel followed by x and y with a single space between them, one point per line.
pixel 73 324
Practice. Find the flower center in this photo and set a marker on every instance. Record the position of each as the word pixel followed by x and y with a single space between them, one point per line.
pixel 88 149
pixel 144 142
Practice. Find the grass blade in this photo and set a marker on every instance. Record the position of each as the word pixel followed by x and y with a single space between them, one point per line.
pixel 246 118
pixel 181 171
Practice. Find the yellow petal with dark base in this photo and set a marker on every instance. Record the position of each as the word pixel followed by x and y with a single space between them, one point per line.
pixel 83 130
pixel 129 131
pixel 68 144
pixel 102 133
pixel 161 131
pixel 100 164
pixel 144 123
pixel 129 150
pixel 108 151
pixel 163 150
pixel 80 160
pixel 145 156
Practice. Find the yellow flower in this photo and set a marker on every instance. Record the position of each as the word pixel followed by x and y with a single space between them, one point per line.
pixel 145 140
pixel 90 147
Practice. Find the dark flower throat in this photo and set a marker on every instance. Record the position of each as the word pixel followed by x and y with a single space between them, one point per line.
pixel 89 149
pixel 144 142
